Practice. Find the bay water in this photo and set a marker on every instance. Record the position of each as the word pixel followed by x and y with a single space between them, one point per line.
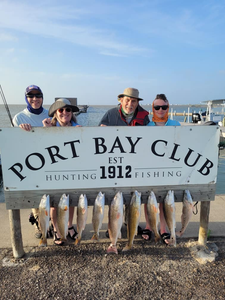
pixel 95 113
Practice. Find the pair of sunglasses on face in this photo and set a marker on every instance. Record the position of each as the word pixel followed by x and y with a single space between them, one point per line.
pixel 67 109
pixel 164 107
pixel 35 95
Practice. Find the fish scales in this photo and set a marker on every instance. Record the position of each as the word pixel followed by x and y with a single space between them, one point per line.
pixel 82 210
pixel 115 221
pixel 44 217
pixel 134 212
pixel 63 215
pixel 98 214
pixel 169 213
pixel 187 212
pixel 153 215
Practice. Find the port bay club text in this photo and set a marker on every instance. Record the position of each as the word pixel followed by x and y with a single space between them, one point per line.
pixel 98 157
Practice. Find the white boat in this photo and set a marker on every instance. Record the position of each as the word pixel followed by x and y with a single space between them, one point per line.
pixel 215 111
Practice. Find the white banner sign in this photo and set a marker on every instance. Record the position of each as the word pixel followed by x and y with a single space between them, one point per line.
pixel 101 157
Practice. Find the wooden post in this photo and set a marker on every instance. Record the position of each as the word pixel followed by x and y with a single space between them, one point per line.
pixel 204 221
pixel 16 235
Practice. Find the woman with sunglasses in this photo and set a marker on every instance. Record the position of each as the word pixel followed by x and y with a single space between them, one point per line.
pixel 61 112
pixel 160 109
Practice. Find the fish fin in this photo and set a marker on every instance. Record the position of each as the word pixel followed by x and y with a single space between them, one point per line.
pixel 155 209
pixel 77 242
pixel 65 208
pixel 118 215
pixel 83 211
pixel 46 213
pixel 95 237
pixel 43 242
pixel 179 233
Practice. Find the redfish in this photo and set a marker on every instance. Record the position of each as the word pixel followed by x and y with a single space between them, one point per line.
pixel 82 211
pixel 115 221
pixel 44 217
pixel 187 212
pixel 98 214
pixel 134 213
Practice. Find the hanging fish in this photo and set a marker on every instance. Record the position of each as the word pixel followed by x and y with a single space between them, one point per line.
pixel 169 213
pixel 153 215
pixel 134 213
pixel 115 221
pixel 98 214
pixel 63 215
pixel 44 217
pixel 187 212
pixel 82 210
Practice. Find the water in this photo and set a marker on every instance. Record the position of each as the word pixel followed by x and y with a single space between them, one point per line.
pixel 94 115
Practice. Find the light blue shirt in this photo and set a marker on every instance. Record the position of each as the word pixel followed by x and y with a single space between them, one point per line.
pixel 168 123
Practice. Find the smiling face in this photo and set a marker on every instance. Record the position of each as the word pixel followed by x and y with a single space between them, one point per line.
pixel 64 116
pixel 35 101
pixel 129 104
pixel 160 113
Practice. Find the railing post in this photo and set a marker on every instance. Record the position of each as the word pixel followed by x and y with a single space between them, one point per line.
pixel 16 235
pixel 204 221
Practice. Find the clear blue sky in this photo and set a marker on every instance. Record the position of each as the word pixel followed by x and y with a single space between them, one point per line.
pixel 94 49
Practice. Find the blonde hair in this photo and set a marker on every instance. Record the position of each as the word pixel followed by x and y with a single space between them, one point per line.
pixel 54 119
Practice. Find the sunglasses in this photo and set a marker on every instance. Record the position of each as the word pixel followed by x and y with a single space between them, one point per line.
pixel 164 107
pixel 67 109
pixel 35 95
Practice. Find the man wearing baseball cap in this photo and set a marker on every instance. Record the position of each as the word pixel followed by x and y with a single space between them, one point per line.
pixel 129 113
pixel 32 115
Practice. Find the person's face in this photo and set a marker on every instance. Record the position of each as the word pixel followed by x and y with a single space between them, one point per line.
pixel 35 102
pixel 160 113
pixel 129 104
pixel 64 115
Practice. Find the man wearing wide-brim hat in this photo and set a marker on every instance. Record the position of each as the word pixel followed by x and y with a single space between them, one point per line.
pixel 129 113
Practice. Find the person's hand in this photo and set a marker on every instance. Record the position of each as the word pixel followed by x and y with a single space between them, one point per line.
pixel 47 122
pixel 78 126
pixel 103 125
pixel 26 127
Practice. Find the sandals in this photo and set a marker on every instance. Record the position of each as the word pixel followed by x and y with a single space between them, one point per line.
pixel 74 236
pixel 57 239
pixel 148 233
pixel 165 236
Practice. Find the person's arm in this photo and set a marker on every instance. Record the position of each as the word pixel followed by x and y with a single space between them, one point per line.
pixel 24 126
pixel 47 122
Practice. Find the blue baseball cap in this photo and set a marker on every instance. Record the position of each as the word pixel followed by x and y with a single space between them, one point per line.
pixel 32 88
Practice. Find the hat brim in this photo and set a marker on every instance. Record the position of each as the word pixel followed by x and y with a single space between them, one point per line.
pixel 122 95
pixel 53 108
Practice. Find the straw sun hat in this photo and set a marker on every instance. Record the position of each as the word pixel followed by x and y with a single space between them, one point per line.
pixel 130 92
pixel 60 103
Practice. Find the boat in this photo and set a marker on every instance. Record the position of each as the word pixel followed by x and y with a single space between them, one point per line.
pixel 215 111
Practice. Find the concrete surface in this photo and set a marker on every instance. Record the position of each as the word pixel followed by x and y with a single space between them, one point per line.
pixel 216 224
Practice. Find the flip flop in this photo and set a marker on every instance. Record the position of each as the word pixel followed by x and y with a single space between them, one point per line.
pixel 165 236
pixel 148 233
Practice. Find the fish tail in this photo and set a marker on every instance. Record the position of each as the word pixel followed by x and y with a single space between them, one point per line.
pixel 157 238
pixel 179 233
pixel 95 237
pixel 77 242
pixel 43 242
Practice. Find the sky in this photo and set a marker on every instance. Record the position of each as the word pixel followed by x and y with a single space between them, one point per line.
pixel 94 49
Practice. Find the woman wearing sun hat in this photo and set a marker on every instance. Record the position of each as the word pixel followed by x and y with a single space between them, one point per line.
pixel 61 112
